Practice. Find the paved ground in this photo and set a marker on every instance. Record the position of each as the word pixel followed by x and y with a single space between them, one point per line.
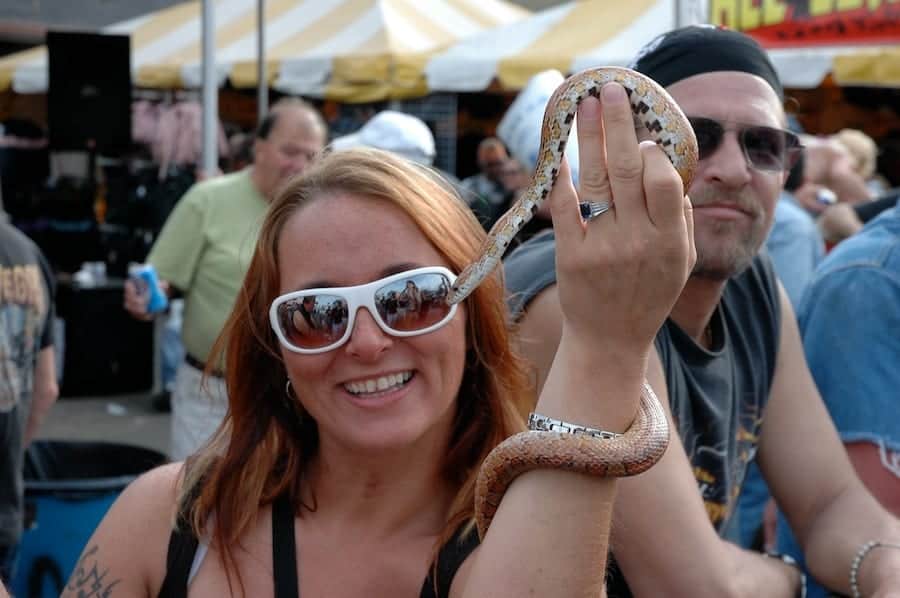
pixel 126 419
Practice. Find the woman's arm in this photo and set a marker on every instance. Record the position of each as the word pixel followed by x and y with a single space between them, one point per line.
pixel 550 534
pixel 126 555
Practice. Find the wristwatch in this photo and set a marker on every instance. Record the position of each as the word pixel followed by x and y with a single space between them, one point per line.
pixel 789 560
pixel 542 423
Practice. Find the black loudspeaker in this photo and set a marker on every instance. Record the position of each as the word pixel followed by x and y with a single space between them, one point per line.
pixel 89 92
pixel 107 352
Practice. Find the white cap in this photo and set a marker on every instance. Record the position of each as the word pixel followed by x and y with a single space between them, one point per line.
pixel 521 126
pixel 393 131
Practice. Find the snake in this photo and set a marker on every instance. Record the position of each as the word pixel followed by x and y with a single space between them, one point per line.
pixel 646 439
pixel 627 454
pixel 651 105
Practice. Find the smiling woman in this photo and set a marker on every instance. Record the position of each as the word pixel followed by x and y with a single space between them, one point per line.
pixel 362 403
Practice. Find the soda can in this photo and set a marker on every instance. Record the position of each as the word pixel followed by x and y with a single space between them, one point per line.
pixel 145 277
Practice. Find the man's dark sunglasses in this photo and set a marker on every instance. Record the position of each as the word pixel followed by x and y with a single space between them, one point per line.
pixel 766 148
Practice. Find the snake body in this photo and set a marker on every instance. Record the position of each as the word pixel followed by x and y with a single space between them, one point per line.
pixel 629 454
pixel 647 438
pixel 651 105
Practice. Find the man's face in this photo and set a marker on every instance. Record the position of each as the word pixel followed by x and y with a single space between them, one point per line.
pixel 291 146
pixel 491 163
pixel 734 202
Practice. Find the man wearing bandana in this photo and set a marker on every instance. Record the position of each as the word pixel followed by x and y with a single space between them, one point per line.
pixel 729 364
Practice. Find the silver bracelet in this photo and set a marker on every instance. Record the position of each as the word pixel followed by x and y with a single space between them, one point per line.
pixel 858 559
pixel 542 423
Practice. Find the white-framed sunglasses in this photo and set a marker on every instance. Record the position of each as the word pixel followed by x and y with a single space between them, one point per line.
pixel 408 303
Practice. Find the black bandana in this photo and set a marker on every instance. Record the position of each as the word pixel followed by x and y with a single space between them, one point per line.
pixel 697 49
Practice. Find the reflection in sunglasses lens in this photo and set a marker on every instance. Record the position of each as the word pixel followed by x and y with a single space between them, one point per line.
pixel 405 305
pixel 415 303
pixel 314 321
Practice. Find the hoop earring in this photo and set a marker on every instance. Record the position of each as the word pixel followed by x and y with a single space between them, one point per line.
pixel 293 404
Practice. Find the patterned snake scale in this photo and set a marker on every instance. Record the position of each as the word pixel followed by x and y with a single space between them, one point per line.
pixel 629 454
pixel 648 436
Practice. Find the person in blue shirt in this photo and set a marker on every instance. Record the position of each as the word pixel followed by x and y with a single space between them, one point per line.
pixel 794 243
pixel 849 319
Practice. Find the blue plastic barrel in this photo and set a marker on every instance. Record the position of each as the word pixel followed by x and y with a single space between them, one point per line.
pixel 69 486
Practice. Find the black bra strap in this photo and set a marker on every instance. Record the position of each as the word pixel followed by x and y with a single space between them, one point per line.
pixel 450 558
pixel 182 546
pixel 284 549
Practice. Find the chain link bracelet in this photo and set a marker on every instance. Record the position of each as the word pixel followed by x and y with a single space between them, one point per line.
pixel 858 559
pixel 542 423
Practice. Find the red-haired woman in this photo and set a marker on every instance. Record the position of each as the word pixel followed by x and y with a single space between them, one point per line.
pixel 347 463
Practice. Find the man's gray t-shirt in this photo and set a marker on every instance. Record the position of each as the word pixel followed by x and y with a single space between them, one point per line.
pixel 717 396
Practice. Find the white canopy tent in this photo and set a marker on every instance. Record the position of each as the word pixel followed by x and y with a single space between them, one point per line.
pixel 348 50
pixel 587 33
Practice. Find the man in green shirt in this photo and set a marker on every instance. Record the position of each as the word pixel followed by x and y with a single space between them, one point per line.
pixel 203 252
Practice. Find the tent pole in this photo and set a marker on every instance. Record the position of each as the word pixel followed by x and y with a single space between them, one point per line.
pixel 210 92
pixel 262 81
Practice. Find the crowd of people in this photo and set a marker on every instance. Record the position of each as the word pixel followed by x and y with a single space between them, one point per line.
pixel 332 404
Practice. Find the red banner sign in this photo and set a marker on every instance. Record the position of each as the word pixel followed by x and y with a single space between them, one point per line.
pixel 791 23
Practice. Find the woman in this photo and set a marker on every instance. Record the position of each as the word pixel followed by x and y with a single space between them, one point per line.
pixel 347 462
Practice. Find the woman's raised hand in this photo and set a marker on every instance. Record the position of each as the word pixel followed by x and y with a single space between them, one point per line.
pixel 620 273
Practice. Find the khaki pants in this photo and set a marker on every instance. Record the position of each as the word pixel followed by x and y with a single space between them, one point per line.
pixel 196 411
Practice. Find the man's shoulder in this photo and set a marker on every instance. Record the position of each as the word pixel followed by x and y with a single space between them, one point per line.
pixel 539 249
pixel 529 269
pixel 14 240
pixel 220 187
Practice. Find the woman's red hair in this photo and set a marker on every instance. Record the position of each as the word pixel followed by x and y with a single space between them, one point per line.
pixel 266 440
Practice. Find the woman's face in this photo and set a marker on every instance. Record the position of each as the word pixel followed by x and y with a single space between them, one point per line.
pixel 344 240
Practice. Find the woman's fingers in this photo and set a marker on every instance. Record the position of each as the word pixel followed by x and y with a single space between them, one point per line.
pixel 689 222
pixel 564 211
pixel 623 157
pixel 593 181
pixel 662 188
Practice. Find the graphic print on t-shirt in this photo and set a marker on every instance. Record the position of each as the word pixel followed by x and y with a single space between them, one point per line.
pixel 23 312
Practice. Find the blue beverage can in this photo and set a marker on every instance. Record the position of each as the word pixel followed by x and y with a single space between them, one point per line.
pixel 148 282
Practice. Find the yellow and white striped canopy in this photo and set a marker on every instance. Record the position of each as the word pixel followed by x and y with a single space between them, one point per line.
pixel 588 33
pixel 351 50
pixel 566 38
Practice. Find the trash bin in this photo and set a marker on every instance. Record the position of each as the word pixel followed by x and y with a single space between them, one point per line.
pixel 69 486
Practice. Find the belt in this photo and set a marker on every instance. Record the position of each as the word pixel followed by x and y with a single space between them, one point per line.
pixel 199 365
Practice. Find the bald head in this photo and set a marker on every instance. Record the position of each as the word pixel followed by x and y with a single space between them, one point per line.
pixel 288 139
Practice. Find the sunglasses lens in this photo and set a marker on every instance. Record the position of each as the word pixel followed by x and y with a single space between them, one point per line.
pixel 766 147
pixel 709 136
pixel 313 321
pixel 414 303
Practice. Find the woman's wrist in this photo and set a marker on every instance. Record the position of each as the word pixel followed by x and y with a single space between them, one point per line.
pixel 592 389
